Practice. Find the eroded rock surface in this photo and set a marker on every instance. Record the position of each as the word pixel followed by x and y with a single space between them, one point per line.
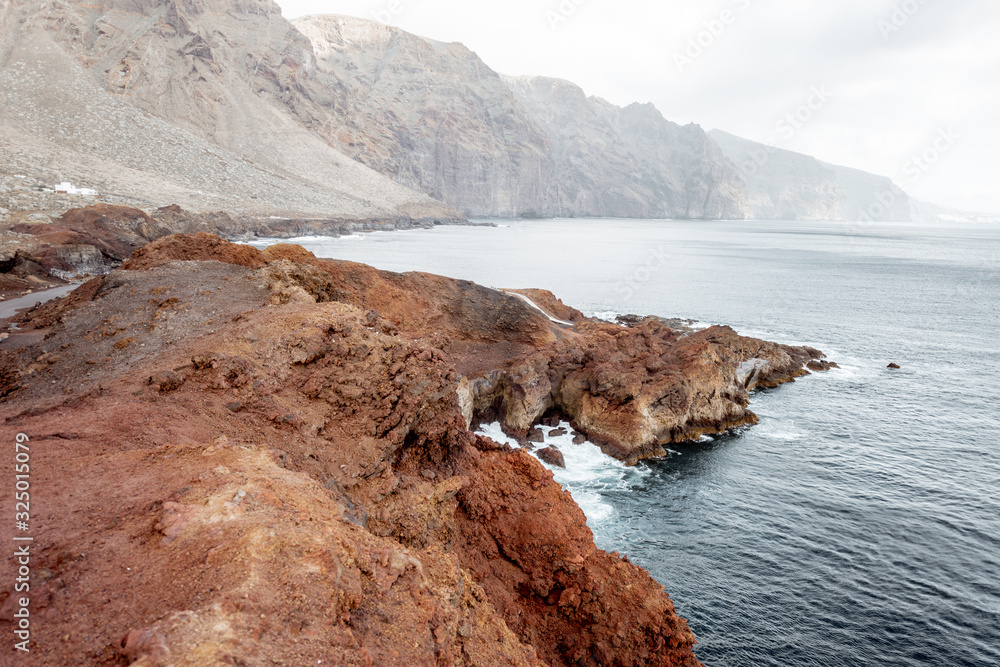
pixel 238 459
pixel 210 104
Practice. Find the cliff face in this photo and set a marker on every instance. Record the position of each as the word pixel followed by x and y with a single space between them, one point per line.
pixel 629 162
pixel 210 104
pixel 784 185
pixel 245 456
pixel 435 116
pixel 279 467
pixel 225 105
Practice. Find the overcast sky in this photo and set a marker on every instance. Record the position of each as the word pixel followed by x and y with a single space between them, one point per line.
pixel 895 77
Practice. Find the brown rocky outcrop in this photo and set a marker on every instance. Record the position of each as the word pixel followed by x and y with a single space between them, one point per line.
pixel 97 238
pixel 632 389
pixel 243 454
pixel 21 272
pixel 260 478
pixel 635 389
pixel 94 238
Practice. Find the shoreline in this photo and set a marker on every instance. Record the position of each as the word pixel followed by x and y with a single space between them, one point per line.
pixel 234 391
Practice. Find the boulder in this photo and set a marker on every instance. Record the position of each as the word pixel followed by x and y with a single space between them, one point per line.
pixel 552 456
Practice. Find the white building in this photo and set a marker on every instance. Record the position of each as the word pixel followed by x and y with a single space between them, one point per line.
pixel 67 188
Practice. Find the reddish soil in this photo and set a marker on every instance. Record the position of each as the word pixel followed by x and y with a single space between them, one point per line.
pixel 246 458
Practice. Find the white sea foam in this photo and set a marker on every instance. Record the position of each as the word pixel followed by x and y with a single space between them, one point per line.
pixel 589 472
pixel 777 429
pixel 699 326
pixel 604 315
pixel 297 240
pixel 494 432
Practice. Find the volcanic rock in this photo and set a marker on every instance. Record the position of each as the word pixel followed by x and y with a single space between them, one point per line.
pixel 552 456
pixel 535 435
pixel 304 527
pixel 21 272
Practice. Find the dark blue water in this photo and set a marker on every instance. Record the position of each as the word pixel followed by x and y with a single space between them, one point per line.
pixel 859 523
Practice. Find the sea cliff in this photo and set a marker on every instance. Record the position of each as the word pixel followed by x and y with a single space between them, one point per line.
pixel 241 455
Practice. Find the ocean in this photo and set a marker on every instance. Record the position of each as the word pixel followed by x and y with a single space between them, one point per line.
pixel 859 522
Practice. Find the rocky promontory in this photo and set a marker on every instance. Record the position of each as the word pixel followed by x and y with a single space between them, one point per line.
pixel 38 251
pixel 242 456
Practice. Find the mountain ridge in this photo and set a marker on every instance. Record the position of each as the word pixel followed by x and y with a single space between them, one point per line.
pixel 150 102
pixel 225 105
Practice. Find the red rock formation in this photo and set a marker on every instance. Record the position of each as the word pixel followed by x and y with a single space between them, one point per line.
pixel 99 235
pixel 634 389
pixel 20 273
pixel 238 459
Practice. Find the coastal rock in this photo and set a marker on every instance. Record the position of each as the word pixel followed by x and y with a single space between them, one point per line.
pixel 21 272
pixel 634 390
pixel 97 238
pixel 344 510
pixel 552 456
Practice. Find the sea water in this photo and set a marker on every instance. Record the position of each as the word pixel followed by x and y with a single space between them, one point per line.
pixel 859 523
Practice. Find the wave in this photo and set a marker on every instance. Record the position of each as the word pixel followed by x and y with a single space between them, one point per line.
pixel 588 475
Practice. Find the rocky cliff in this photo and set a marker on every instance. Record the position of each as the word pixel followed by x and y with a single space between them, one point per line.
pixel 210 104
pixel 631 162
pixel 435 116
pixel 244 456
pixel 784 185
pixel 225 105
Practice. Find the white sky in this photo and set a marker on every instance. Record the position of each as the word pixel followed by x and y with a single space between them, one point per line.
pixel 892 92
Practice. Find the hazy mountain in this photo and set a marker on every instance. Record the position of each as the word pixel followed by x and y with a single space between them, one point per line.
pixel 435 116
pixel 223 104
pixel 786 185
pixel 211 104
pixel 629 162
